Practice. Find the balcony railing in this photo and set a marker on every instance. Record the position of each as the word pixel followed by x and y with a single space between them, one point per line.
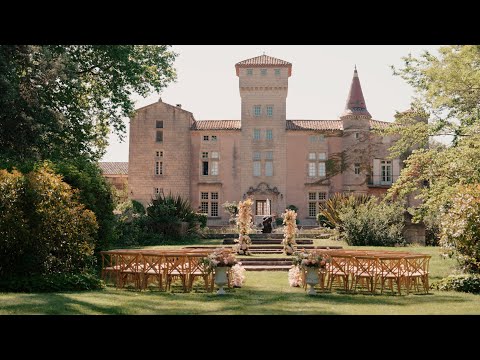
pixel 380 180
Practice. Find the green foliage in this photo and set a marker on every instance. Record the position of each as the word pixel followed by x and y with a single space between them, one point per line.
pixel 329 212
pixel 138 207
pixel 373 224
pixel 230 208
pixel 202 219
pixel 59 101
pixel 460 232
pixel 279 221
pixel 43 227
pixel 292 207
pixel 469 283
pixel 52 283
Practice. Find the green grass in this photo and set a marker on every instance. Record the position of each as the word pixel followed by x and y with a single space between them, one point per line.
pixel 263 293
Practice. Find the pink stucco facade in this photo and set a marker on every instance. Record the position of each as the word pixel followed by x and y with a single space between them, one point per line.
pixel 277 162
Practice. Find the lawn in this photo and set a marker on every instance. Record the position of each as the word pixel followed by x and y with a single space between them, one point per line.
pixel 263 293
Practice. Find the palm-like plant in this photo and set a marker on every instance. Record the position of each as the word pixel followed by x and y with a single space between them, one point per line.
pixel 328 214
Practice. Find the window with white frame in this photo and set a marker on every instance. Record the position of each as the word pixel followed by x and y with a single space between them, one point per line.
pixel 205 137
pixel 269 155
pixel 312 169
pixel 159 153
pixel 256 155
pixel 357 168
pixel 269 134
pixel 312 156
pixel 321 169
pixel 256 134
pixel 256 168
pixel 214 138
pixel 214 154
pixel 268 168
pixel 257 110
pixel 158 167
pixel 270 110
pixel 386 172
pixel 208 205
pixel 315 201
pixel 214 168
pixel 322 156
pixel 205 155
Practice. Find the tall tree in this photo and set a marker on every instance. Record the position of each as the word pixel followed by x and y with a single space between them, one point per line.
pixel 448 96
pixel 59 102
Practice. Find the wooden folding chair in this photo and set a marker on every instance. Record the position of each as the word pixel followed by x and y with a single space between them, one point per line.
pixel 339 268
pixel 393 269
pixel 364 268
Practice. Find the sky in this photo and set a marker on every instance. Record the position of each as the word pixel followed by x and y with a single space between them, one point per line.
pixel 207 84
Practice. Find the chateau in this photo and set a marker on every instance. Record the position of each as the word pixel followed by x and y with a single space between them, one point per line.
pixel 277 162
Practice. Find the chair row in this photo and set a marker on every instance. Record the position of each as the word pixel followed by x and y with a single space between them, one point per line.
pixel 409 271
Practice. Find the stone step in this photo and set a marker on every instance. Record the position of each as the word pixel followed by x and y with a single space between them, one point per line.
pixel 269 241
pixel 266 268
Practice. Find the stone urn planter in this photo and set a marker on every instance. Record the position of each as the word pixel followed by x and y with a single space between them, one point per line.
pixel 221 278
pixel 312 279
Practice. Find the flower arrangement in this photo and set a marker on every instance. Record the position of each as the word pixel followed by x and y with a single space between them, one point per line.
pixel 295 276
pixel 219 257
pixel 313 258
pixel 244 221
pixel 289 231
pixel 238 275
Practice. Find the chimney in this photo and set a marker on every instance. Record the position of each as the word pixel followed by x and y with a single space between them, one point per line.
pixel 179 106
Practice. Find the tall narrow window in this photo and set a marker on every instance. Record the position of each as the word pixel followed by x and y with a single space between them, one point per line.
pixel 257 110
pixel 312 169
pixel 214 208
pixel 256 168
pixel 357 169
pixel 269 110
pixel 269 155
pixel 158 168
pixel 249 72
pixel 256 134
pixel 214 169
pixel 312 209
pixel 321 169
pixel 386 172
pixel 204 167
pixel 214 195
pixel 315 201
pixel 159 124
pixel 357 135
pixel 204 207
pixel 263 72
pixel 269 134
pixel 159 137
pixel 256 155
pixel 268 168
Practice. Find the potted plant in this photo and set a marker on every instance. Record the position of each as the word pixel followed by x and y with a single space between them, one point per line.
pixel 312 262
pixel 220 261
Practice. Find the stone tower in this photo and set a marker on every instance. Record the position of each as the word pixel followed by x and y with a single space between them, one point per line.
pixel 356 138
pixel 263 82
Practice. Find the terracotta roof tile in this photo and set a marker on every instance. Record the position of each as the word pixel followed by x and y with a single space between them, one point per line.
pixel 216 125
pixel 314 125
pixel 263 60
pixel 114 168
pixel 379 124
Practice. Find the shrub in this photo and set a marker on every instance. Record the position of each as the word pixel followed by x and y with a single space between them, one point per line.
pixel 44 229
pixel 469 283
pixel 292 207
pixel 460 228
pixel 329 212
pixel 279 221
pixel 373 224
pixel 52 283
